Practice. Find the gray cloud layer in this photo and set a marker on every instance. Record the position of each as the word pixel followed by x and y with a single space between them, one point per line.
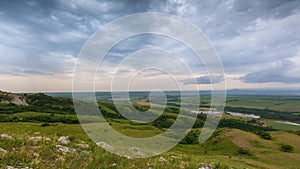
pixel 203 80
pixel 277 73
pixel 45 37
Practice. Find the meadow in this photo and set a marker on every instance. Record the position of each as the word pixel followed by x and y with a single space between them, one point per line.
pixel 238 142
pixel 228 148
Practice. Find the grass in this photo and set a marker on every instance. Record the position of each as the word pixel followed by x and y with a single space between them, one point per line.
pixel 220 150
pixel 281 126
pixel 278 103
pixel 21 150
pixel 227 148
pixel 268 151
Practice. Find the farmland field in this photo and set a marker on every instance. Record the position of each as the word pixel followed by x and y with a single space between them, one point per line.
pixel 277 103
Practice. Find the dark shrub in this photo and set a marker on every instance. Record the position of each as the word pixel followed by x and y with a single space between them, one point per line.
pixel 45 124
pixel 264 135
pixel 191 138
pixel 242 151
pixel 286 148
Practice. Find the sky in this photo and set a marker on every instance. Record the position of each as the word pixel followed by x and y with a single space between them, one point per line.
pixel 258 42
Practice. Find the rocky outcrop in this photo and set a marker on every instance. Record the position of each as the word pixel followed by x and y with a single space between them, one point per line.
pixel 14 98
pixel 19 100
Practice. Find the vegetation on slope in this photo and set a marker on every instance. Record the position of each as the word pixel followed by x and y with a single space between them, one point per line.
pixel 227 148
pixel 43 108
pixel 256 146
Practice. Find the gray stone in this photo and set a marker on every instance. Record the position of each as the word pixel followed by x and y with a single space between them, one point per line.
pixel 105 146
pixel 65 149
pixel 64 139
pixel 6 136
pixel 3 150
pixel 161 159
pixel 206 166
pixel 37 138
pixel 83 145
pixel 36 155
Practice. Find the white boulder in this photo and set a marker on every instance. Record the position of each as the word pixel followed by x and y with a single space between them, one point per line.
pixel 3 151
pixel 206 166
pixel 161 159
pixel 37 138
pixel 6 136
pixel 83 145
pixel 64 139
pixel 105 146
pixel 64 149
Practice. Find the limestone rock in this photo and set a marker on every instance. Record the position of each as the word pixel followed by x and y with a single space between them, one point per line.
pixel 6 136
pixel 105 146
pixel 64 139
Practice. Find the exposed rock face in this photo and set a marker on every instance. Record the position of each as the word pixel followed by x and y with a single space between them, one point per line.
pixel 64 139
pixel 4 101
pixel 105 145
pixel 18 100
pixel 6 136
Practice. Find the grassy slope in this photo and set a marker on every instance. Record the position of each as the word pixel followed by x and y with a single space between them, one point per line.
pixel 281 126
pixel 268 151
pixel 220 149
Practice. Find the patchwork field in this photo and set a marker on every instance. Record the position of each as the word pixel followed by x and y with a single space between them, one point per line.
pixel 277 103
